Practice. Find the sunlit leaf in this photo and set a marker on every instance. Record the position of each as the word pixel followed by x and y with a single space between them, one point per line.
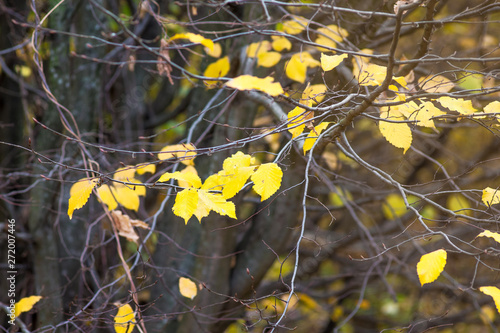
pixel 267 180
pixel 491 196
pixel 471 82
pixel 281 43
pixel 213 183
pixel 296 68
pixel 487 233
pixel 187 288
pixel 268 59
pixel 296 117
pixel 235 180
pixel 492 107
pixel 431 265
pixel 125 319
pixel 457 104
pixel 215 52
pixel 398 134
pixel 105 195
pixel 435 84
pixel 195 38
pixel 459 204
pixel 295 26
pixel 185 203
pixel 425 114
pixel 256 49
pixel 493 292
pixel 330 36
pixel 394 206
pixel 313 136
pixel 184 152
pixel 217 203
pixel 189 177
pixel 330 62
pixel 313 94
pixel 25 304
pixel 216 69
pixel 79 194
pixel 128 196
pixel 248 82
pixel 151 168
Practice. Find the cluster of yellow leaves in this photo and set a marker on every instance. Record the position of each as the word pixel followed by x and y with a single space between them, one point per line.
pixel 187 288
pixel 124 319
pixel 199 198
pixel 25 304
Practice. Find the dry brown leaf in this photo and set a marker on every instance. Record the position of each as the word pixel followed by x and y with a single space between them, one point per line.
pixel 125 225
pixel 164 67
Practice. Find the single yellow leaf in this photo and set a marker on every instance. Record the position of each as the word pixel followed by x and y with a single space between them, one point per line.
pixel 212 183
pixel 296 68
pixel 248 82
pixel 457 104
pixel 142 169
pixel 217 203
pixel 216 69
pixel 491 196
pixel 281 43
pixel 79 194
pixel 237 160
pixel 233 181
pixel 256 49
pixel 431 265
pixel 184 152
pixel 401 80
pixel 295 118
pixel 492 107
pixel 195 38
pixel 105 195
pixel 487 233
pixel 187 288
pixel 313 136
pixel 394 206
pixel 125 319
pixel 493 292
pixel 25 304
pixel 424 116
pixel 189 177
pixel 398 134
pixel 313 94
pixel 330 36
pixel 459 204
pixel 295 26
pixel 330 62
pixel 127 196
pixel 267 180
pixel 124 174
pixel 369 74
pixel 435 84
pixel 268 59
pixel 185 203
pixel 215 52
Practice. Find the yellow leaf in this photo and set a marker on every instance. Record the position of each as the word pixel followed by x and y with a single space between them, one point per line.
pixel 105 195
pixel 256 49
pixel 457 104
pixel 124 174
pixel 216 52
pixel 487 233
pixel 281 43
pixel 212 183
pixel 25 304
pixel 296 68
pixel 125 319
pixel 329 36
pixel 313 136
pixel 79 194
pixel 493 292
pixel 491 196
pixel 295 117
pixel 217 203
pixel 127 196
pixel 187 288
pixel 313 94
pixel 401 80
pixel 394 206
pixel 492 107
pixel 234 181
pixel 295 26
pixel 184 152
pixel 216 69
pixel 151 168
pixel 189 177
pixel 187 169
pixel 124 224
pixel 237 160
pixel 435 84
pixel 369 74
pixel 330 62
pixel 194 38
pixel 268 59
pixel 398 134
pixel 430 266
pixel 267 180
pixel 425 114
pixel 459 204
pixel 248 82
pixel 185 203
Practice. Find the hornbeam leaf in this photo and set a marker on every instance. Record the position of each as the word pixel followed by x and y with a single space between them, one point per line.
pixel 487 233
pixel 398 134
pixel 457 104
pixel 313 94
pixel 330 62
pixel 185 203
pixel 493 292
pixel 79 194
pixel 25 304
pixel 189 177
pixel 187 288
pixel 248 82
pixel 194 38
pixel 492 107
pixel 436 84
pixel 268 59
pixel 216 69
pixel 105 195
pixel 258 48
pixel 184 152
pixel 431 265
pixel 267 180
pixel 313 136
pixel 125 319
pixel 217 203
pixel 295 26
pixel 296 121
pixel 280 43
pixel 296 68
pixel 491 196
